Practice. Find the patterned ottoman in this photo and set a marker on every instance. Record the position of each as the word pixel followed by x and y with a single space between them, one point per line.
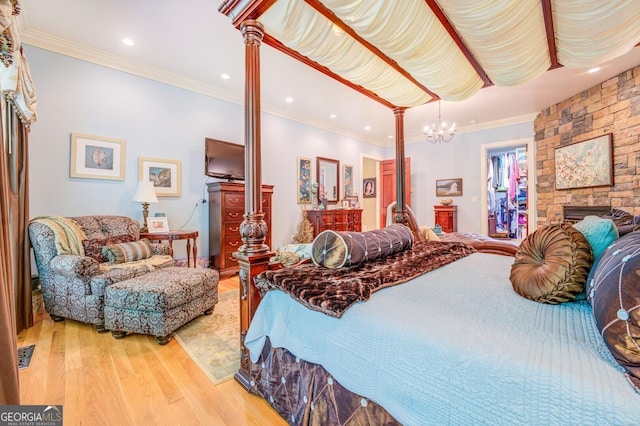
pixel 160 302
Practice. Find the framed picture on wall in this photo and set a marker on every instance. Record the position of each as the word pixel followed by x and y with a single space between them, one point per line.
pixel 585 164
pixel 97 157
pixel 449 187
pixel 347 174
pixel 369 188
pixel 165 175
pixel 304 180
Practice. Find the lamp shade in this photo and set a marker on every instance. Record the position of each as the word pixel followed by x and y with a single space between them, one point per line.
pixel 145 193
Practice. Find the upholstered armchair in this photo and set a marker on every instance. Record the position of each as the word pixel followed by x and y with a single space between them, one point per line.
pixel 72 269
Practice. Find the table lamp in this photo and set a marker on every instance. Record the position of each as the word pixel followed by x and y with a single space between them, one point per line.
pixel 145 194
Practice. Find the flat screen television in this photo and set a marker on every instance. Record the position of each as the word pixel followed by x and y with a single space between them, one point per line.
pixel 224 160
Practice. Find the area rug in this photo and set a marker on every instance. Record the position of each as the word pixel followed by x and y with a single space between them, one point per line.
pixel 213 341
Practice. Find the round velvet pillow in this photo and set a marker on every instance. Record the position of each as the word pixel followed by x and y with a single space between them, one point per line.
pixel 552 264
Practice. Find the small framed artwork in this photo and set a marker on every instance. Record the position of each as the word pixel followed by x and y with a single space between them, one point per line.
pixel 97 157
pixel 353 201
pixel 158 224
pixel 304 180
pixel 369 188
pixel 449 187
pixel 165 175
pixel 347 175
pixel 585 164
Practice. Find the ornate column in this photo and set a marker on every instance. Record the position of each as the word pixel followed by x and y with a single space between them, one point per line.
pixel 400 215
pixel 253 255
pixel 253 228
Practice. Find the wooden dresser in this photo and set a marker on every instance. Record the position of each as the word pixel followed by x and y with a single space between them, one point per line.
pixel 226 211
pixel 446 217
pixel 337 220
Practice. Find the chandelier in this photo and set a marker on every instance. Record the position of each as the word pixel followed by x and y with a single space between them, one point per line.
pixel 439 132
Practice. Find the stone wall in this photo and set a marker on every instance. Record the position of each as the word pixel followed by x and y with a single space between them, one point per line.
pixel 612 106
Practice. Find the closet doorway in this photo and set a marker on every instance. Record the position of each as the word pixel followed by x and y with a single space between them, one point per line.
pixel 508 203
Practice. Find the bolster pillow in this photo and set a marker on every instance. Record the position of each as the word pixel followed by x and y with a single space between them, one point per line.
pixel 333 249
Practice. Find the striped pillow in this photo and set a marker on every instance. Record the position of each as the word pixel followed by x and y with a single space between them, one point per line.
pixel 127 252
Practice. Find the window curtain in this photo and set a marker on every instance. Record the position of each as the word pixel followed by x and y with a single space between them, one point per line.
pixel 18 112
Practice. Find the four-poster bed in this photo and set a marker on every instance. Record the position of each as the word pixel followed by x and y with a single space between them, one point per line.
pixel 505 381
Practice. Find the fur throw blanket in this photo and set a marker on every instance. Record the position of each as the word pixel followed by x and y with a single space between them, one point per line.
pixel 333 291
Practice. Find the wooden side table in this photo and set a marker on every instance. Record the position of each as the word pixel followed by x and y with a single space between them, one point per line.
pixel 446 217
pixel 177 235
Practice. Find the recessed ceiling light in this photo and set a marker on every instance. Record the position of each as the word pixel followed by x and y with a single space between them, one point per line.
pixel 367 127
pixel 594 69
pixel 289 99
pixel 332 116
pixel 128 41
pixel 225 76
pixel 390 136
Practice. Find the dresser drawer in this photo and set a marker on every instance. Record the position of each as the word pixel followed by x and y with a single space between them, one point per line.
pixel 231 244
pixel 326 219
pixel 234 200
pixel 232 229
pixel 233 215
pixel 341 215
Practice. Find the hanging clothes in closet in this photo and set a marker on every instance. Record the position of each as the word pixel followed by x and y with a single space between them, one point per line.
pixel 502 192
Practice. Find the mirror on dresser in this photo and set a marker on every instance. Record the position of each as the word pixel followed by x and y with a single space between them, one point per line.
pixel 328 178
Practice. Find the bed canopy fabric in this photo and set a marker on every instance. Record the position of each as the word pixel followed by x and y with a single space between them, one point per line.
pixel 406 53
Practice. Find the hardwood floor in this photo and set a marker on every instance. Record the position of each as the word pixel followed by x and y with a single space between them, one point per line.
pixel 133 381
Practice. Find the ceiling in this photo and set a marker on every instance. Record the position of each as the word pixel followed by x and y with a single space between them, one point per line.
pixel 190 44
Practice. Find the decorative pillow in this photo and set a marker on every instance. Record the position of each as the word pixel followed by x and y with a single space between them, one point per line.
pixel 334 249
pixel 624 221
pixel 552 264
pixel 428 234
pixel 93 247
pixel 599 232
pixel 127 252
pixel 303 250
pixel 286 258
pixel 614 294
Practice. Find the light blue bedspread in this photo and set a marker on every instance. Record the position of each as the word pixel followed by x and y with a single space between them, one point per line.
pixel 459 346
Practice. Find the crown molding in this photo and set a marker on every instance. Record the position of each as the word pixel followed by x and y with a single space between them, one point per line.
pixel 109 60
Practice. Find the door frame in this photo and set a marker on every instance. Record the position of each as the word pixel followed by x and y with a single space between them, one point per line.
pixel 377 159
pixel 532 217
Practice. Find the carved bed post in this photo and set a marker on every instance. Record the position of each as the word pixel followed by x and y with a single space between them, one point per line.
pixel 253 255
pixel 400 213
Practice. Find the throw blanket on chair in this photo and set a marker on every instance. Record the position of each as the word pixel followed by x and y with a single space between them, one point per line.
pixel 333 291
pixel 68 234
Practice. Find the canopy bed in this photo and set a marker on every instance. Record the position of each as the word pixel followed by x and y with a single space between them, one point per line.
pixel 484 354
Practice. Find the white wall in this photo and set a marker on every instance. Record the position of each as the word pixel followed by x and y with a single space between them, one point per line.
pixel 161 121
